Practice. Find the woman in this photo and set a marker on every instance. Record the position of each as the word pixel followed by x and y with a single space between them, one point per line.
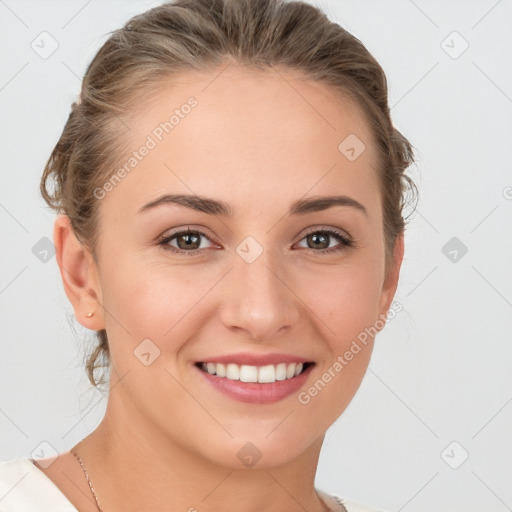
pixel 229 189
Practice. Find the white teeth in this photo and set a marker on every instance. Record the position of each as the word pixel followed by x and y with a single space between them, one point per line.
pixel 290 371
pixel 248 373
pixel 267 373
pixel 233 371
pixel 221 370
pixel 281 371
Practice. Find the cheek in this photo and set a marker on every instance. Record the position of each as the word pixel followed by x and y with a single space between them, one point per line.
pixel 345 300
pixel 345 303
pixel 140 304
pixel 167 304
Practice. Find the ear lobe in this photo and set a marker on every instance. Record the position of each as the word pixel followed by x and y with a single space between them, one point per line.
pixel 391 280
pixel 78 272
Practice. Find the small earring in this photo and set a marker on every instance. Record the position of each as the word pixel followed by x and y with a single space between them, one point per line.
pixel 91 313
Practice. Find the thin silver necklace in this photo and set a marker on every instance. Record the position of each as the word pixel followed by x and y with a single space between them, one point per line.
pixel 88 480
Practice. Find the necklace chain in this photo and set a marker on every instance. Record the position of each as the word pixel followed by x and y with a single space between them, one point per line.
pixel 88 480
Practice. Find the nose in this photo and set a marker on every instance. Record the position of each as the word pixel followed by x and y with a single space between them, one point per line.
pixel 259 298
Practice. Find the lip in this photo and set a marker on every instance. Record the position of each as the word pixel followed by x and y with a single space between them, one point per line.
pixel 255 359
pixel 256 392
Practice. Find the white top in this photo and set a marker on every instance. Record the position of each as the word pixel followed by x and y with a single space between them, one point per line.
pixel 25 488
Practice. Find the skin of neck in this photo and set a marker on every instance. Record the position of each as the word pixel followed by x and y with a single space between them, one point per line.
pixel 133 466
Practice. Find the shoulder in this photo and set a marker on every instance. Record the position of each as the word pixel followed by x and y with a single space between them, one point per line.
pixel 338 504
pixel 23 487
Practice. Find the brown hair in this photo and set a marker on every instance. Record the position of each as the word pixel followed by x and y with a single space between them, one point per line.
pixel 185 35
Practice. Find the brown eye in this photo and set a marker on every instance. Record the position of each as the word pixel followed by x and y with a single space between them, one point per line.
pixel 318 240
pixel 188 241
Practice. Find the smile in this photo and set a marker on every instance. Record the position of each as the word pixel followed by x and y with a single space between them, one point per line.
pixel 256 384
pixel 262 374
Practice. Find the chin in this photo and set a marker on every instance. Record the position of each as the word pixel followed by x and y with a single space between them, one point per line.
pixel 261 451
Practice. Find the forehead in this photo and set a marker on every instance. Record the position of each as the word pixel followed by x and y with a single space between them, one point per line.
pixel 239 132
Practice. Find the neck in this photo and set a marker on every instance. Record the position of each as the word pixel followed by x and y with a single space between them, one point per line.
pixel 133 466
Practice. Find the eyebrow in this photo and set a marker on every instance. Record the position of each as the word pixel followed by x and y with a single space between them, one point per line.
pixel 216 207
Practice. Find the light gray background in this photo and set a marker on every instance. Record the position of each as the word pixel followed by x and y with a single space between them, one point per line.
pixel 440 371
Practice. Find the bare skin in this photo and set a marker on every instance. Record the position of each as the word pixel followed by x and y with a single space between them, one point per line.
pixel 67 474
pixel 168 439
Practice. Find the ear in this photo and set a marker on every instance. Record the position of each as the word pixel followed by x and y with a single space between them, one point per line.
pixel 79 274
pixel 391 280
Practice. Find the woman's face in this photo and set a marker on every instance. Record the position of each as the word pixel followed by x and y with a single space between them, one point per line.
pixel 257 281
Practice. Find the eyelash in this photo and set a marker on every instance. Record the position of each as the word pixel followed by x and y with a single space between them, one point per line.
pixel 346 242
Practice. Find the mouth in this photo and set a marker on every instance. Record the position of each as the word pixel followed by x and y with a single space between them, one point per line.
pixel 262 384
pixel 248 373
